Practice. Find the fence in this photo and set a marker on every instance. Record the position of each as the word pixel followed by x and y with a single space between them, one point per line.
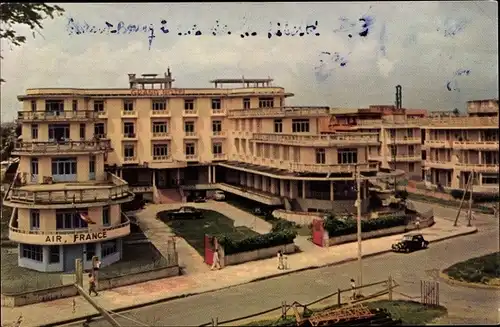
pixel 386 287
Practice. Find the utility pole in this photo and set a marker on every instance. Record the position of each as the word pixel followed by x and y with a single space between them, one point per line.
pixel 470 198
pixel 399 106
pixel 462 200
pixel 358 207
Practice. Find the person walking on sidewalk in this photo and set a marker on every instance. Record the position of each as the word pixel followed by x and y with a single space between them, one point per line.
pixel 215 260
pixel 92 286
pixel 417 223
pixel 280 260
pixel 353 288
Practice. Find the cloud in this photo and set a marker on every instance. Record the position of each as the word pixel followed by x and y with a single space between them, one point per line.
pixel 416 54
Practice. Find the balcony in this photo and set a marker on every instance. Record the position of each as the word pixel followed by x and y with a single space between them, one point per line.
pixel 131 160
pixel 391 123
pixel 34 148
pixel 280 112
pixel 318 140
pixel 220 156
pixel 476 145
pixel 161 136
pixel 162 158
pixel 441 144
pixel 129 137
pixel 218 134
pixel 160 113
pixel 438 164
pixel 102 114
pixel 191 157
pixel 190 135
pixel 219 112
pixel 129 113
pixel 190 113
pixel 479 168
pixel 459 122
pixel 141 189
pixel 56 116
pixel 405 158
pixel 74 236
pixel 406 140
pixel 66 195
pixel 298 167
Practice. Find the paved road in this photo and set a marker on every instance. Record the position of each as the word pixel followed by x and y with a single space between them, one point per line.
pixel 465 305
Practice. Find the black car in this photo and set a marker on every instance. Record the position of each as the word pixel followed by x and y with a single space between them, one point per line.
pixel 410 243
pixel 186 213
pixel 199 199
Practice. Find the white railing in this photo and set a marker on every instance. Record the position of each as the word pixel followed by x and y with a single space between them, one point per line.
pixel 162 158
pixel 330 140
pixel 330 168
pixel 129 113
pixel 160 112
pixel 61 146
pixel 57 115
pixel 162 134
pixel 280 111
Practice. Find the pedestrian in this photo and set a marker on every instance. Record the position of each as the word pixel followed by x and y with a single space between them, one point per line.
pixel 417 223
pixel 280 260
pixel 96 264
pixel 215 260
pixel 92 287
pixel 353 288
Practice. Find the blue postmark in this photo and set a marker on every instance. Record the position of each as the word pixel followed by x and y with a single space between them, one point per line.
pixel 453 84
pixel 328 62
pixel 451 27
pixel 360 27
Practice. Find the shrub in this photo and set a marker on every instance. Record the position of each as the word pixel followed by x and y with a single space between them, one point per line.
pixel 283 225
pixel 476 197
pixel 256 242
pixel 337 227
pixel 402 194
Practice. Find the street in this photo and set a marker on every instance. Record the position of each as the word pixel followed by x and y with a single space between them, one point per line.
pixel 465 305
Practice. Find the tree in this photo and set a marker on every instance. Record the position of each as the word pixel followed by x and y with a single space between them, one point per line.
pixel 31 14
pixel 456 112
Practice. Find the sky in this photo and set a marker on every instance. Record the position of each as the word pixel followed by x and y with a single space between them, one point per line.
pixel 354 54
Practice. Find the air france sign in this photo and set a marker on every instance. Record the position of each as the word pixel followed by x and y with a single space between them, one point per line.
pixel 75 238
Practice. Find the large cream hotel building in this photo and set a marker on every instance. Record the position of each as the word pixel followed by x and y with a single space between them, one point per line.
pixel 83 152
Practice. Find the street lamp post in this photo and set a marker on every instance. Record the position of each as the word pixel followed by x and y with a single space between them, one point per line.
pixel 358 208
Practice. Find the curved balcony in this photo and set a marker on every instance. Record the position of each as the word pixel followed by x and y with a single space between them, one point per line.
pixel 56 116
pixel 113 190
pixel 476 145
pixel 37 148
pixel 298 167
pixel 438 144
pixel 459 122
pixel 279 112
pixel 438 164
pixel 479 168
pixel 68 237
pixel 318 140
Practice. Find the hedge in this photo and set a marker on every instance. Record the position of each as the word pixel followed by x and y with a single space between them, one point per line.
pixel 476 197
pixel 336 227
pixel 256 242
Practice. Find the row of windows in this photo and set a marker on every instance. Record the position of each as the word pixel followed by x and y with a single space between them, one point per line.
pixel 298 125
pixel 64 166
pixel 162 150
pixel 35 252
pixel 68 220
pixel 59 132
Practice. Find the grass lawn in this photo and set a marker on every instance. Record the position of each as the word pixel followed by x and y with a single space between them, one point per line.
pixel 212 223
pixel 484 270
pixel 410 312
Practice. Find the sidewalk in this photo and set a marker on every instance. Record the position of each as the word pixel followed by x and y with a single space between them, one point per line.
pixel 181 286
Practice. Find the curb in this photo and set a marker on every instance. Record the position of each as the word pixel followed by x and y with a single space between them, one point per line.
pixel 447 279
pixel 175 297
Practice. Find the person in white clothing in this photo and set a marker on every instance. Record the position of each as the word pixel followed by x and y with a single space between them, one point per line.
pixel 215 260
pixel 280 260
pixel 353 288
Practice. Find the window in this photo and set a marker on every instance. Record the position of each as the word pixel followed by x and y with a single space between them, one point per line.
pixel 128 105
pixel 64 169
pixel 409 132
pixel 129 151
pixel 92 167
pixel 54 105
pixel 266 102
pixel 33 105
pixel 300 125
pixel 82 131
pixel 489 179
pixel 98 105
pixel 129 129
pixel 394 151
pixel 99 130
pixel 278 126
pixel 424 155
pixel 105 216
pixel 246 103
pixel 286 153
pixel 160 127
pixel 320 156
pixel 190 149
pixel 189 127
pixel 75 105
pixel 59 132
pixel 411 167
pixel 276 151
pixel 347 156
pixel 90 250
pixel 216 104
pixel 54 254
pixel 411 150
pixel 217 148
pixel 216 127
pixel 34 131
pixel 35 219
pixel 108 248
pixel 160 150
pixel 392 133
pixel 159 105
pixel 69 220
pixel 33 252
pixel 34 166
pixel 188 105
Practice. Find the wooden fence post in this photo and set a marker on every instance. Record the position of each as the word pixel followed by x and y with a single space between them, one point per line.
pixel 390 287
pixel 338 297
pixel 215 322
pixel 283 309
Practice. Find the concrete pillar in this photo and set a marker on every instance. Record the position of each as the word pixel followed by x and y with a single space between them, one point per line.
pixel 304 189
pixel 274 186
pixel 154 178
pixel 249 180
pixel 293 189
pixel 120 173
pixel 178 175
pixel 213 175
pixel 282 187
pixel 365 189
pixel 332 191
pixel 264 184
pixel 257 181
pixel 209 174
pixel 242 178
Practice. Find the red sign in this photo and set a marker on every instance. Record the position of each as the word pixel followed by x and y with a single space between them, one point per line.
pixel 157 92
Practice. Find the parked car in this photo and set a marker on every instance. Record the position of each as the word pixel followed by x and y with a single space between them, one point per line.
pixel 199 199
pixel 186 213
pixel 410 243
pixel 219 196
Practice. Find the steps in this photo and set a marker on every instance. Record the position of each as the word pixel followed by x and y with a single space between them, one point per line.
pixel 167 196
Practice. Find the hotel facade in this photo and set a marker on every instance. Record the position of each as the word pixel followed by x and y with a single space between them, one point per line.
pixel 83 152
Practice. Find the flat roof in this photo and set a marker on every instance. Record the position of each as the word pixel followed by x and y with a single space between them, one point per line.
pixel 262 169
pixel 241 80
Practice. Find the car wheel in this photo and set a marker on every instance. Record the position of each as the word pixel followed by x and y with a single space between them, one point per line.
pixel 407 250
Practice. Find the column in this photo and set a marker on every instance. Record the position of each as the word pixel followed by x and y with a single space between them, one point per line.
pixel 213 175
pixel 365 189
pixel 242 178
pixel 154 178
pixel 282 187
pixel 178 175
pixel 257 181
pixel 120 172
pixel 293 189
pixel 332 191
pixel 304 189
pixel 209 174
pixel 249 180
pixel 274 188
pixel 264 184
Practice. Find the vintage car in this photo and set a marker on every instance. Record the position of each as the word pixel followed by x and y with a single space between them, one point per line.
pixel 186 213
pixel 410 243
pixel 219 196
